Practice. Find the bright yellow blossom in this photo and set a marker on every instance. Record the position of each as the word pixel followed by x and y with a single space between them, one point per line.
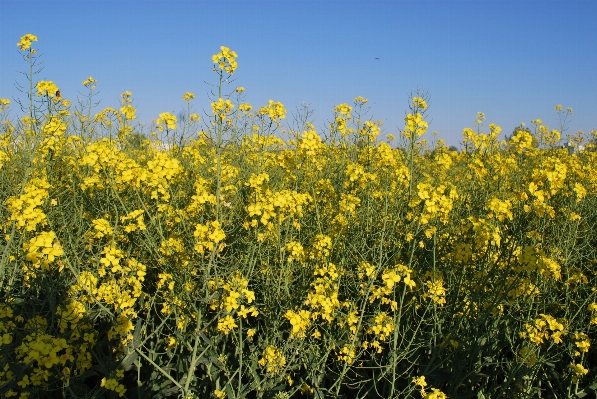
pixel 89 81
pixel 46 88
pixel 166 118
pixel 225 60
pixel 25 42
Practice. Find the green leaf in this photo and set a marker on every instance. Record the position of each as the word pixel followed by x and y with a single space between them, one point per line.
pixel 229 392
pixel 592 387
pixel 166 393
pixel 205 338
pixel 128 361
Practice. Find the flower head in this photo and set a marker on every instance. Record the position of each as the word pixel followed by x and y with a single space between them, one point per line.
pixel 578 371
pixel 225 60
pixel 360 100
pixel 435 394
pixel 414 124
pixel 128 111
pixel 343 109
pixel 226 324
pixel 46 88
pixel 167 119
pixel 275 110
pixel 222 107
pixel 480 117
pixel 25 42
pixel 419 102
pixel 4 103
pixel 89 81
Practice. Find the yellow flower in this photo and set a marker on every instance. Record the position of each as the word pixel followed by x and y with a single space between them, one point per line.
pixel 343 109
pixel 435 394
pixel 275 110
pixel 583 346
pixel 168 119
pixel 420 381
pixel 419 102
pixel 414 124
pixel 390 277
pixel 226 324
pixel 113 385
pixel 170 342
pixel 217 233
pixel 225 60
pixel 436 292
pixel 188 96
pixel 300 321
pixel 25 42
pixel 578 371
pixel 43 250
pixel 272 359
pixel 46 88
pixel 128 111
pixel 4 103
pixel 24 382
pixel 243 312
pixel 244 108
pixel 220 108
pixel 89 81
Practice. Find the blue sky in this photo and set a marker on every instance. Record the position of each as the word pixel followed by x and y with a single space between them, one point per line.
pixel 512 60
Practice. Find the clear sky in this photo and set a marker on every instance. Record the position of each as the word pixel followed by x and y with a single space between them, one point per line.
pixel 512 60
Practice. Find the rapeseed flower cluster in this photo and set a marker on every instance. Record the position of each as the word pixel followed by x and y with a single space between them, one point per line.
pixel 26 209
pixel 272 360
pixel 4 104
pixel 225 60
pixel 25 42
pixel 544 328
pixel 300 321
pixel 46 88
pixel 415 126
pixel 221 108
pixel 89 81
pixel 166 119
pixel 275 111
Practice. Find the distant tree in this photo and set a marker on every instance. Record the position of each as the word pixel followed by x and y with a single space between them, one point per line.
pixel 452 148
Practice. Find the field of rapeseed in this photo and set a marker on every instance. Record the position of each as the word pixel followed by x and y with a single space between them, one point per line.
pixel 230 258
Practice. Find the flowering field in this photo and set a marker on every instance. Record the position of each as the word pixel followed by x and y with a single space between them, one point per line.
pixel 221 256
